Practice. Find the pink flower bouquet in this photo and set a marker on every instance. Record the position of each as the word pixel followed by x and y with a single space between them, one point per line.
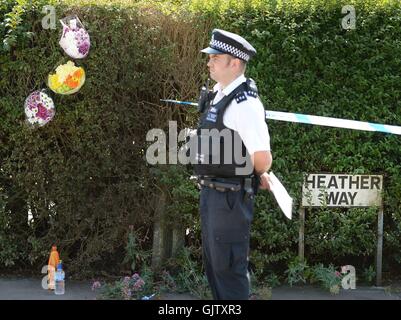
pixel 39 108
pixel 75 40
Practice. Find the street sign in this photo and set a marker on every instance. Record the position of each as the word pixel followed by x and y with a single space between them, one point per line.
pixel 341 190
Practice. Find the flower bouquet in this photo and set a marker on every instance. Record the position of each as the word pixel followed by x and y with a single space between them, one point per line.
pixel 39 108
pixel 75 40
pixel 68 79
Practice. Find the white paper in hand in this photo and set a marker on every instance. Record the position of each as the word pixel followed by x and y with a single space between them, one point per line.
pixel 282 197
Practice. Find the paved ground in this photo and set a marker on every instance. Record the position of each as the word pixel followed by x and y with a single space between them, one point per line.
pixel 31 289
pixel 315 293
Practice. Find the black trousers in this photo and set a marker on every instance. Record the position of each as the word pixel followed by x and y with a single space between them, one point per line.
pixel 225 221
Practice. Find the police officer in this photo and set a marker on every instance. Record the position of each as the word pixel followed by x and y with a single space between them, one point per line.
pixel 229 177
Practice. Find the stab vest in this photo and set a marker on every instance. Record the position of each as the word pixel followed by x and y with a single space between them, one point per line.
pixel 220 151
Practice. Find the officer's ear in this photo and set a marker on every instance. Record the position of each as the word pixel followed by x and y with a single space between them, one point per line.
pixel 242 65
pixel 239 64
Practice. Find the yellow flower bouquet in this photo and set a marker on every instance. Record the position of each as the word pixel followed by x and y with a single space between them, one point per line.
pixel 68 79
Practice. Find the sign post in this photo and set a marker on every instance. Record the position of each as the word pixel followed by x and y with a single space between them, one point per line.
pixel 301 244
pixel 341 190
pixel 379 257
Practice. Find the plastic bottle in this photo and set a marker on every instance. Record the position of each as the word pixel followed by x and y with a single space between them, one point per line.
pixel 60 283
pixel 54 260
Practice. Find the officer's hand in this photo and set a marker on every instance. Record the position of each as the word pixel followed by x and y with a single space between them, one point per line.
pixel 264 182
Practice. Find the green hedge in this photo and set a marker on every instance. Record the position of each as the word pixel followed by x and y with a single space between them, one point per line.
pixel 308 64
pixel 84 175
pixel 85 163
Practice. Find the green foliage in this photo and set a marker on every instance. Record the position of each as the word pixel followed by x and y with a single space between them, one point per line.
pixel 273 236
pixel 307 64
pixel 297 272
pixel 111 291
pixel 167 283
pixel 84 175
pixel 327 277
pixel 14 26
pixel 134 254
pixel 273 280
pixel 187 275
pixel 182 195
pixel 369 274
pixel 341 233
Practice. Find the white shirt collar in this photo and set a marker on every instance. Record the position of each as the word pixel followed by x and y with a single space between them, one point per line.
pixel 227 90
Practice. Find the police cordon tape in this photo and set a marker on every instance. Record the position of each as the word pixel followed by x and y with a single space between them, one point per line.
pixel 318 120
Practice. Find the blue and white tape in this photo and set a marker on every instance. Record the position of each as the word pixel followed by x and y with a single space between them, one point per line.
pixel 180 102
pixel 320 121
pixel 332 122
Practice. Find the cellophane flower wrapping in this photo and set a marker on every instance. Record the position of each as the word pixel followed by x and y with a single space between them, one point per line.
pixel 67 79
pixel 75 40
pixel 39 108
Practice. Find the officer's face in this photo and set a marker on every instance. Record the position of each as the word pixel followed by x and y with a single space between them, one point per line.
pixel 220 66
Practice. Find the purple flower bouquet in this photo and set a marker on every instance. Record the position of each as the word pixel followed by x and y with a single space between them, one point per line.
pixel 75 40
pixel 39 108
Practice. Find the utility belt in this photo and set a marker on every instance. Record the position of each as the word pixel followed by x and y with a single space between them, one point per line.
pixel 249 184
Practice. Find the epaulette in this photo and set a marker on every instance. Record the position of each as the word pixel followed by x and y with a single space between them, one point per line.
pixel 252 89
pixel 240 97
